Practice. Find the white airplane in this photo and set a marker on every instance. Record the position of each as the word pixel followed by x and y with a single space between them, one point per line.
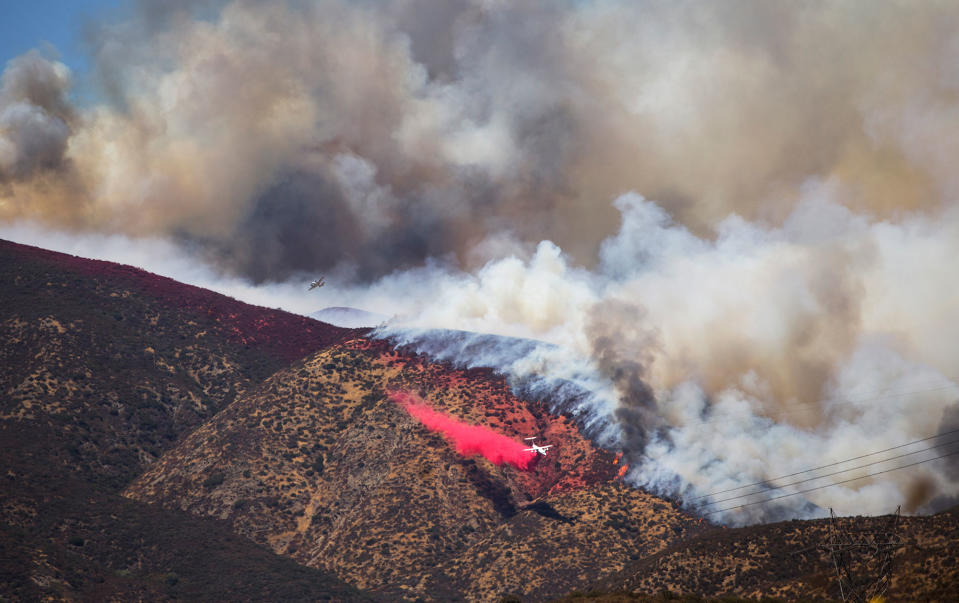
pixel 535 447
pixel 317 283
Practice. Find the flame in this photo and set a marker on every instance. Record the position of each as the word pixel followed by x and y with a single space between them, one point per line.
pixel 619 455
pixel 622 471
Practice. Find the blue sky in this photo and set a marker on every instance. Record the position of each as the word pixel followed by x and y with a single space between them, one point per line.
pixel 28 24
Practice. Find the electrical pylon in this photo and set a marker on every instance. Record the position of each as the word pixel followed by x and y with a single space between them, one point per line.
pixel 863 557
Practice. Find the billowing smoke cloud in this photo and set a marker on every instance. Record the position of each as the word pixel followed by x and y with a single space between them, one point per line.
pixel 283 136
pixel 788 299
pixel 468 439
pixel 718 363
pixel 35 117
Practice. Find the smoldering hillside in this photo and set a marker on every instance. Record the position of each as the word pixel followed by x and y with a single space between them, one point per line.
pixel 734 224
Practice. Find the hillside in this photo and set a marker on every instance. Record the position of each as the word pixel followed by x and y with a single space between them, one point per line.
pixel 785 561
pixel 320 465
pixel 104 368
pixel 67 540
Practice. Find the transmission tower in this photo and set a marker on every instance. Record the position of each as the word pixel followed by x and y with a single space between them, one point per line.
pixel 863 556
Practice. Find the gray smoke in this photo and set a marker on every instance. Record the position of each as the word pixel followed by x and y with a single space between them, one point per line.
pixel 35 116
pixel 405 131
pixel 716 364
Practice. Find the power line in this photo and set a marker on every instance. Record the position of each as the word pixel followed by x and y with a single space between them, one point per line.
pixel 828 485
pixel 810 479
pixel 855 458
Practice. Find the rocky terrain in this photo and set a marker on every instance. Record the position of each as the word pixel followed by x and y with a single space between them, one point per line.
pixel 161 442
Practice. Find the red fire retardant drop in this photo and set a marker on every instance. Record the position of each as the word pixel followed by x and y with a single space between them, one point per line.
pixel 468 439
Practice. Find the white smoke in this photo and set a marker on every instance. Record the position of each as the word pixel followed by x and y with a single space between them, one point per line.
pixel 768 351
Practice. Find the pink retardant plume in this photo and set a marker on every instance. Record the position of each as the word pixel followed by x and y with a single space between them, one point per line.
pixel 468 439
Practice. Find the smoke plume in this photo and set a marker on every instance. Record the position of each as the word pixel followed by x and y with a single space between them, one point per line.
pixel 718 363
pixel 376 135
pixel 35 118
pixel 468 439
pixel 721 234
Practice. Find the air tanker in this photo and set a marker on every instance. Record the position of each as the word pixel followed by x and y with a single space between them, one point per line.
pixel 536 447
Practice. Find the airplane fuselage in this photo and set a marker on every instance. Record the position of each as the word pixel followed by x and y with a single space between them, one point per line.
pixel 537 448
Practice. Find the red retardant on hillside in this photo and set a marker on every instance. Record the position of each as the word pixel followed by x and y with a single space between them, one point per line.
pixel 468 439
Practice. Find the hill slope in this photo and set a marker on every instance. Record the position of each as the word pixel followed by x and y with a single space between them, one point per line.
pixel 786 560
pixel 319 464
pixel 68 540
pixel 104 368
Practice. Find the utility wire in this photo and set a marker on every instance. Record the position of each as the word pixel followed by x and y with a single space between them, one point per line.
pixel 828 485
pixel 811 479
pixel 861 456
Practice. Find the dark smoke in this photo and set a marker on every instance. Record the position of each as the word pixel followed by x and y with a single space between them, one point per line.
pixel 622 346
pixel 919 493
pixel 35 116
